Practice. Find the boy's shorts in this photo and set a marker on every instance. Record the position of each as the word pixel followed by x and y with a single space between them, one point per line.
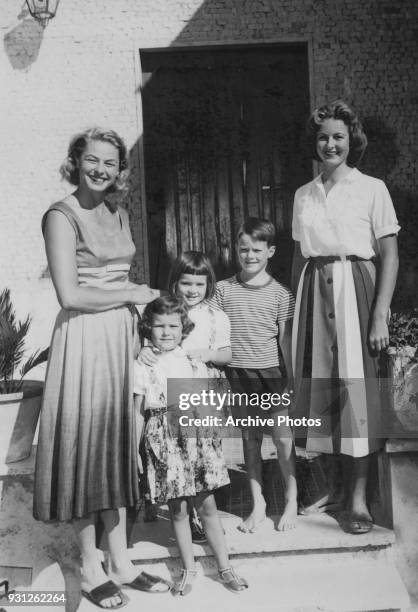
pixel 263 387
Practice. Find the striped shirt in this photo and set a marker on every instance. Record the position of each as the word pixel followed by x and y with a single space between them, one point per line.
pixel 255 314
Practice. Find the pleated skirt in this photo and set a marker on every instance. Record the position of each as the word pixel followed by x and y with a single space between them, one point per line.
pixel 336 373
pixel 87 450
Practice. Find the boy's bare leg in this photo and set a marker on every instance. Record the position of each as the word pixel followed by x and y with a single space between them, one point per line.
pixel 252 457
pixel 283 441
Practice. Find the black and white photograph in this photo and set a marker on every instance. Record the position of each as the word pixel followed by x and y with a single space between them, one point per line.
pixel 208 305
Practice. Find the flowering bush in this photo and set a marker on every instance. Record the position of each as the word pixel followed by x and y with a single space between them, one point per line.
pixel 403 332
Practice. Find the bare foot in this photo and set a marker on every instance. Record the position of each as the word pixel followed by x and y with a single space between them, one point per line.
pixel 289 517
pixel 92 578
pixel 257 516
pixel 359 509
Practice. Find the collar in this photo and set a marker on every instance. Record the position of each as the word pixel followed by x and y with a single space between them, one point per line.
pixel 352 176
pixel 177 352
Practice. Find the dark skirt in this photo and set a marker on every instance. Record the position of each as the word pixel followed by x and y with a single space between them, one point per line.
pixel 336 373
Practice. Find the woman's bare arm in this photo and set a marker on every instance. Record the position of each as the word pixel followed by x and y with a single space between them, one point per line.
pixel 389 263
pixel 60 242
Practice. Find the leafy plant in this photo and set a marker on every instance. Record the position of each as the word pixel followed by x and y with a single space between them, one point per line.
pixel 403 331
pixel 12 341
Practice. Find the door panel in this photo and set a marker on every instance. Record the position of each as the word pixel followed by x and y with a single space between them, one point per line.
pixel 223 139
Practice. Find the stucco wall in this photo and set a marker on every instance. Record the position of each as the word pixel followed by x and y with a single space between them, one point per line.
pixel 84 69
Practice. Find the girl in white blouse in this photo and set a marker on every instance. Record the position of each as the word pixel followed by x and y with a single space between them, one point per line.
pixel 344 223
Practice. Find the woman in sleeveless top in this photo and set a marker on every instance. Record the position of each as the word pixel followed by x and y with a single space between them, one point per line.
pixel 86 462
pixel 344 223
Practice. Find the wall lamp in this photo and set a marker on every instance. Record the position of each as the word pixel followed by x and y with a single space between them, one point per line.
pixel 42 10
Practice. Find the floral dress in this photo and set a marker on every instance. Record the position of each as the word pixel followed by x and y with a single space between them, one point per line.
pixel 181 462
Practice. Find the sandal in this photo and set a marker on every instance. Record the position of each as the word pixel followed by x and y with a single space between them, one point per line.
pixel 231 581
pixel 148 583
pixel 184 586
pixel 359 523
pixel 325 504
pixel 106 591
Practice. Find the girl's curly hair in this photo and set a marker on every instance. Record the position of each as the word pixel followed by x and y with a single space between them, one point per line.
pixel 167 304
pixel 338 109
pixel 69 167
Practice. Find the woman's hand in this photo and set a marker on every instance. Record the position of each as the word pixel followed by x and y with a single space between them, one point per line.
pixel 379 333
pixel 142 294
pixel 147 356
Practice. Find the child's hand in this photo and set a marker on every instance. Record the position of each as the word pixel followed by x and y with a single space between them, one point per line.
pixel 147 356
pixel 204 355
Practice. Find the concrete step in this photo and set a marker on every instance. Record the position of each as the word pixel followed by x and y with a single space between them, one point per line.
pixel 297 587
pixel 315 567
pixel 316 533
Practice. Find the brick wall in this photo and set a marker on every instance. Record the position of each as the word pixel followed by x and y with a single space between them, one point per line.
pixel 84 69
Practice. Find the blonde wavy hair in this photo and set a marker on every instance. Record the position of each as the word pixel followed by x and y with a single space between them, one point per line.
pixel 69 168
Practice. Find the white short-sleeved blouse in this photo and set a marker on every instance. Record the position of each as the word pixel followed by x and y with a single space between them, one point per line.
pixel 151 381
pixel 212 329
pixel 349 220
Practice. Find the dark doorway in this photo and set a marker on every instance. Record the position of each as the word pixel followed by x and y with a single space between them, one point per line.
pixel 223 139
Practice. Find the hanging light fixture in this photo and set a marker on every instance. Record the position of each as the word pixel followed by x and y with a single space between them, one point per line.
pixel 42 10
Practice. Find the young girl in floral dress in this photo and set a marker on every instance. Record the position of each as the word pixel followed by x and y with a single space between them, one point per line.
pixel 193 278
pixel 180 466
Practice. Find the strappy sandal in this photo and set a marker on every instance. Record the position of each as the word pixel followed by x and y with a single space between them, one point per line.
pixel 231 581
pixel 184 586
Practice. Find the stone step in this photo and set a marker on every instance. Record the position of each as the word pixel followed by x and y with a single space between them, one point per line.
pixel 315 567
pixel 318 533
pixel 301 586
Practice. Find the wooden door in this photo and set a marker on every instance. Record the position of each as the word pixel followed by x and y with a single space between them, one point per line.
pixel 223 139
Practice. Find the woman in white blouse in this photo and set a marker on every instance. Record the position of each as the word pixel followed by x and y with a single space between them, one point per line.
pixel 344 223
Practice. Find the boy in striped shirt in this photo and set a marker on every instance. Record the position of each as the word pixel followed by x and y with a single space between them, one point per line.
pixel 260 310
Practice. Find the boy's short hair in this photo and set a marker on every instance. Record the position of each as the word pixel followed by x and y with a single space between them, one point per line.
pixel 166 304
pixel 258 229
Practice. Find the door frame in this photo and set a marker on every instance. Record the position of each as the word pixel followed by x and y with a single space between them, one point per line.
pixel 289 41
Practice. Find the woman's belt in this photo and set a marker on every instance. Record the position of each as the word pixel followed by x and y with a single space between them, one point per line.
pixel 121 267
pixel 333 258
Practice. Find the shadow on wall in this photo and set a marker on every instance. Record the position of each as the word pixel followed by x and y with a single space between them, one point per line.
pixel 23 42
pixel 380 160
pixel 382 154
pixel 223 140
